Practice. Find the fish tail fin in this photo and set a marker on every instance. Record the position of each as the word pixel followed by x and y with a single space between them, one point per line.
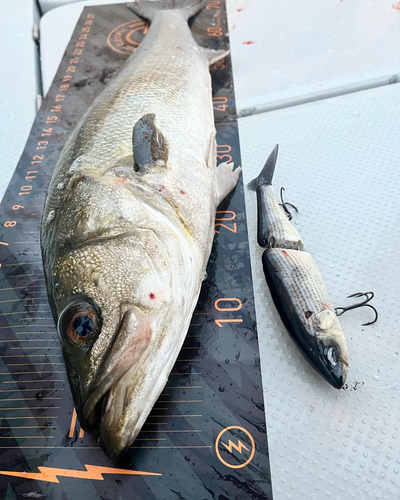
pixel 149 8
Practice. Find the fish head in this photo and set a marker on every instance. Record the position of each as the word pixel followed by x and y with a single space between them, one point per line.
pixel 109 280
pixel 332 354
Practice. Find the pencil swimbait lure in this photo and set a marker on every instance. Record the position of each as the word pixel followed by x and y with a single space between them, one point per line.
pixel 297 287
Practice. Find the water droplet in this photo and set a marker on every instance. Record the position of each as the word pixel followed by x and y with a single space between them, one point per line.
pixel 75 165
pixel 50 217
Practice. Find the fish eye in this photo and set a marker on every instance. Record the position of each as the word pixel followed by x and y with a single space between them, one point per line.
pixel 333 355
pixel 79 321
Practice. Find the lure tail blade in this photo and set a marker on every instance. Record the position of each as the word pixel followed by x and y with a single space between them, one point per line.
pixel 264 178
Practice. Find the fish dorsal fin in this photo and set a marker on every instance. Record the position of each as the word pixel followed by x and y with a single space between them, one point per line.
pixel 149 145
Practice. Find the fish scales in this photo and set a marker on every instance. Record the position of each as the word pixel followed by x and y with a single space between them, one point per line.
pixel 129 222
pixel 167 74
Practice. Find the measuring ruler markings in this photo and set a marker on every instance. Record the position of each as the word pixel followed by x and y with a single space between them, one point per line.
pixel 24 274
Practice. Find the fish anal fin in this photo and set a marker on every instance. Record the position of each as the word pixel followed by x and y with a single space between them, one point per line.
pixel 227 178
pixel 149 144
pixel 215 55
pixel 211 159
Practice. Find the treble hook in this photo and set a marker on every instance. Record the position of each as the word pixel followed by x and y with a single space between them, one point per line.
pixel 353 386
pixel 284 206
pixel 368 296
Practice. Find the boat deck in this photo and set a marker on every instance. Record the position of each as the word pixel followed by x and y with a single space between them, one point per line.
pixel 320 79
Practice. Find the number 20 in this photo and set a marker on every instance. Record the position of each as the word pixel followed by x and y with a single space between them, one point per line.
pixel 231 217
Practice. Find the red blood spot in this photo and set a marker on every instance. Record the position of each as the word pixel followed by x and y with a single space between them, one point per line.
pixel 118 180
pixel 284 253
pixel 180 48
pixel 183 192
pixel 239 10
pixel 325 306
pixel 162 189
pixel 248 42
pixel 234 26
pixel 152 296
pixel 396 6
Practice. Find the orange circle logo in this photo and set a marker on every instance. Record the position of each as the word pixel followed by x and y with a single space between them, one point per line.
pixel 234 444
pixel 126 37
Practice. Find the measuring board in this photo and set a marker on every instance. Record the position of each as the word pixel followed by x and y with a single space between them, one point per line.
pixel 206 435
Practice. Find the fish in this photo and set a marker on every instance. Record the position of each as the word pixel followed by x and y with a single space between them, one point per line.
pixel 297 287
pixel 128 225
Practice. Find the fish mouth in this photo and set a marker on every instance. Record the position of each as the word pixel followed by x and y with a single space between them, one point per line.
pixel 105 417
pixel 126 406
pixel 114 438
pixel 127 352
pixel 337 378
pixel 95 406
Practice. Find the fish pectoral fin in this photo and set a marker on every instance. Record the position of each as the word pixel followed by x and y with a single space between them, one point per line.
pixel 211 159
pixel 149 145
pixel 215 55
pixel 227 178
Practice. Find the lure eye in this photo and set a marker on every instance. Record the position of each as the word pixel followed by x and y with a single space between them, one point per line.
pixel 79 321
pixel 333 356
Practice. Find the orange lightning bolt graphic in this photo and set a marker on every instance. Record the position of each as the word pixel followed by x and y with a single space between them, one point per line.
pixel 238 447
pixel 50 474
